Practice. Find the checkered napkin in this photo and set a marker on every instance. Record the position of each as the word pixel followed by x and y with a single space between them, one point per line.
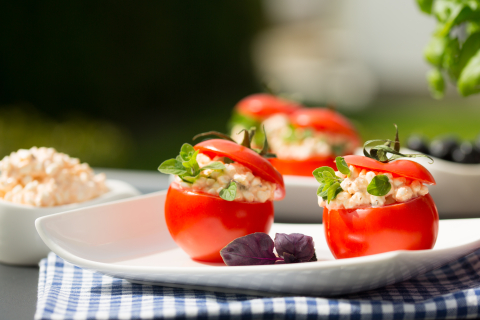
pixel 69 292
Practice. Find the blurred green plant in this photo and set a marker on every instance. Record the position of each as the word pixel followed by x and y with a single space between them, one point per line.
pixel 454 49
pixel 99 143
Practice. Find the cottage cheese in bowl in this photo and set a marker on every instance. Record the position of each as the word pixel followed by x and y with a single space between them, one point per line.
pixel 41 181
pixel 43 177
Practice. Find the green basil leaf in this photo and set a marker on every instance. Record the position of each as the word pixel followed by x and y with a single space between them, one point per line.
pixel 214 166
pixel 342 166
pixel 318 173
pixel 187 151
pixel 435 49
pixel 333 191
pixel 469 48
pixel 436 83
pixel 469 80
pixel 379 186
pixel 172 166
pixel 450 58
pixel 425 5
pixel 230 192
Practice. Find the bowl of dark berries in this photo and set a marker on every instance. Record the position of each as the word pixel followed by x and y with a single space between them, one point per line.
pixel 456 169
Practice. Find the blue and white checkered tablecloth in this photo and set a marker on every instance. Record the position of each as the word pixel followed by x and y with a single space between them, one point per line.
pixel 69 292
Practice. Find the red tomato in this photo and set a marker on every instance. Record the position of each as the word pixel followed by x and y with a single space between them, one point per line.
pixel 202 224
pixel 404 168
pixel 323 119
pixel 411 225
pixel 302 167
pixel 260 166
pixel 260 106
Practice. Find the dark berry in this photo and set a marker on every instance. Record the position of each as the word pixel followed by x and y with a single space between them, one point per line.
pixel 417 143
pixel 443 148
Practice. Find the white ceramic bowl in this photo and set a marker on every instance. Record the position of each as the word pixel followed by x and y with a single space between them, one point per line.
pixel 19 241
pixel 457 192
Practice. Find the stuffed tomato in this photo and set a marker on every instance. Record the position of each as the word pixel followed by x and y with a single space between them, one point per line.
pixel 373 204
pixel 222 191
pixel 309 138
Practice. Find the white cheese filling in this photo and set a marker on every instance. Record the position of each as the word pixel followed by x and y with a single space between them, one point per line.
pixel 303 143
pixel 355 195
pixel 43 177
pixel 249 187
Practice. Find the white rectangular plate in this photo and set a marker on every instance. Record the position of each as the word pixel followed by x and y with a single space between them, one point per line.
pixel 129 239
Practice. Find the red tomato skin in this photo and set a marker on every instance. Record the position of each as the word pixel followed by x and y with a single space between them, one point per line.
pixel 324 119
pixel 404 168
pixel 301 167
pixel 412 225
pixel 202 224
pixel 259 165
pixel 260 106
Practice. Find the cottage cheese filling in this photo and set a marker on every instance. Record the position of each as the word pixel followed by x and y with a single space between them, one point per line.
pixel 355 193
pixel 303 143
pixel 43 177
pixel 249 187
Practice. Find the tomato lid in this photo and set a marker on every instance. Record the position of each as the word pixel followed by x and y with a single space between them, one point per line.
pixel 262 105
pixel 323 119
pixel 404 168
pixel 260 166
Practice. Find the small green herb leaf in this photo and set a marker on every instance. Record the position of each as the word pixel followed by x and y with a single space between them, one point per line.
pixel 189 179
pixel 333 191
pixel 318 173
pixel 379 186
pixel 326 187
pixel 186 152
pixel 192 164
pixel 327 175
pixel 214 166
pixel 342 166
pixel 320 189
pixel 172 166
pixel 229 193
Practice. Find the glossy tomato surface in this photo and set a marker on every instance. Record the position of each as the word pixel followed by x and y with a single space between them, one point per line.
pixel 323 119
pixel 261 106
pixel 412 225
pixel 202 224
pixel 404 168
pixel 260 166
pixel 301 167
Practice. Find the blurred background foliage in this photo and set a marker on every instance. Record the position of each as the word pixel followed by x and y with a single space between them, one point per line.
pixel 123 84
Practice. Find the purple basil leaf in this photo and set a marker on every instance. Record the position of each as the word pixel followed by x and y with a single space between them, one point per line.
pixel 294 247
pixel 252 249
